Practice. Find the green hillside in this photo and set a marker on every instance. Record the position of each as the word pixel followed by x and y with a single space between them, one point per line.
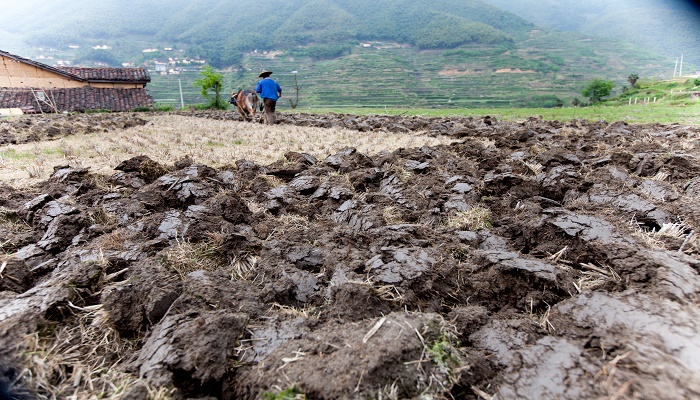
pixel 669 27
pixel 547 69
pixel 664 31
pixel 355 53
pixel 672 92
pixel 221 31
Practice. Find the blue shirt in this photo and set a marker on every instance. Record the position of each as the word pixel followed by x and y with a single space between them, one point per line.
pixel 268 88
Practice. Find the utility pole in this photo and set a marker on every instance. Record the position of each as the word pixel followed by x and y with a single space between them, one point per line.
pixel 680 72
pixel 294 104
pixel 675 68
pixel 182 102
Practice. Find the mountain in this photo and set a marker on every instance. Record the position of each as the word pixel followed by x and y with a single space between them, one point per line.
pixel 443 53
pixel 222 30
pixel 669 27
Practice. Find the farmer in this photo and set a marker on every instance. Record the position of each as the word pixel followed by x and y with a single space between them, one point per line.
pixel 269 90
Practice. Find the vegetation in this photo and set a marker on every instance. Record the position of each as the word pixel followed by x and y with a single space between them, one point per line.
pixel 539 101
pixel 669 28
pixel 98 56
pixel 212 80
pixel 224 30
pixel 451 32
pixel 163 107
pixel 663 93
pixel 140 109
pixel 322 51
pixel 386 74
pixel 291 393
pixel 672 109
pixel 596 89
pixel 632 79
pixel 445 54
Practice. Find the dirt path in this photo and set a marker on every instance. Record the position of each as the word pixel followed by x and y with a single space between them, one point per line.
pixel 525 260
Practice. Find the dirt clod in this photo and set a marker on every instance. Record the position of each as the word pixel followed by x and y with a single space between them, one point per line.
pixel 537 259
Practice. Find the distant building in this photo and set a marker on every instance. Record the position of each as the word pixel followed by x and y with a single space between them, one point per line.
pixel 36 87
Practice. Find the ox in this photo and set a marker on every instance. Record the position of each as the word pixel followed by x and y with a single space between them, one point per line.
pixel 247 103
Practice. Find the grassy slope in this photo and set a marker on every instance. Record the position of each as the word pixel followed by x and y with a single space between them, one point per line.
pixel 643 114
pixel 665 102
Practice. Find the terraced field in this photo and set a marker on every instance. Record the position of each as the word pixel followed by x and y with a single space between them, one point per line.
pixel 535 73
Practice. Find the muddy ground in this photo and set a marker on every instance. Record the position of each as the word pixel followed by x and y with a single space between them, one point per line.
pixel 535 259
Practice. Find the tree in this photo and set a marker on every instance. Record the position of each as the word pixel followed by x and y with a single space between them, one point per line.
pixel 597 89
pixel 212 80
pixel 632 79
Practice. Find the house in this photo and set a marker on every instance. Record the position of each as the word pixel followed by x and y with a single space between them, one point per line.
pixel 36 87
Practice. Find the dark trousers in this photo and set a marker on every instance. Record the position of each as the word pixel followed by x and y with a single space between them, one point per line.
pixel 270 110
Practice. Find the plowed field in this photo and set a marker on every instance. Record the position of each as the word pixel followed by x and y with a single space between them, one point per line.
pixel 533 259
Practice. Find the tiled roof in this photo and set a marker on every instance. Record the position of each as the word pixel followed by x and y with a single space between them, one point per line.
pixel 109 74
pixel 89 74
pixel 75 99
pixel 38 64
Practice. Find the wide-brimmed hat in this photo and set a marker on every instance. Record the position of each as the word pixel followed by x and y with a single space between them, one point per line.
pixel 265 74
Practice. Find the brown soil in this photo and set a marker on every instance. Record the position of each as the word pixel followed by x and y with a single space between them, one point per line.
pixel 536 259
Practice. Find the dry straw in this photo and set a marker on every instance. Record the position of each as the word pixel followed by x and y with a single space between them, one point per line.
pixel 80 360
pixel 168 138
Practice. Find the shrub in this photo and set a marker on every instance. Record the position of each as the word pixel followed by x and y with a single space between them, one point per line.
pixel 164 107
